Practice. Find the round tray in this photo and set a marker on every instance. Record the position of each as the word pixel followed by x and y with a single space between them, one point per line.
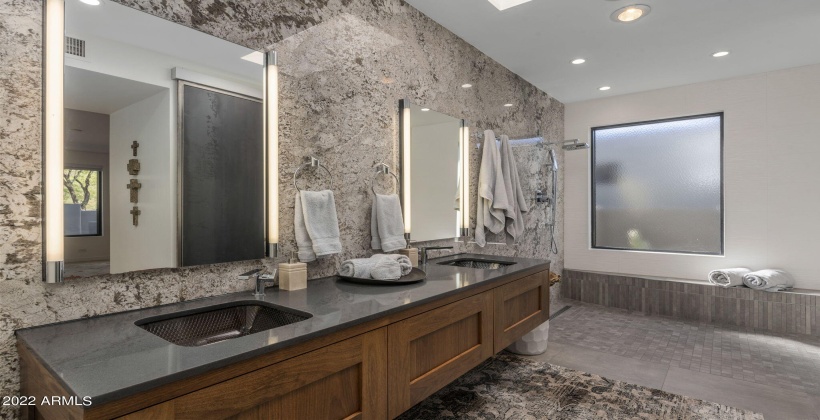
pixel 415 276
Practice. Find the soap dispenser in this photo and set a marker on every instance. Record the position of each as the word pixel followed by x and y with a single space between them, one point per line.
pixel 293 274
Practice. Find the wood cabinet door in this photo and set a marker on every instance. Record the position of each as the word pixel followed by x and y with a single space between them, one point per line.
pixel 346 380
pixel 520 306
pixel 430 350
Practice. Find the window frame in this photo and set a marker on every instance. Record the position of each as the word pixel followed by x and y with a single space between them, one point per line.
pixel 592 211
pixel 100 186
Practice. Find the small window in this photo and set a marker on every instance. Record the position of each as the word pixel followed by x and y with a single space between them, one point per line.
pixel 82 202
pixel 658 186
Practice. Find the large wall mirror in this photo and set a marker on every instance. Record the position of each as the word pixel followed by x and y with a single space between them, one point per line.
pixel 163 143
pixel 435 173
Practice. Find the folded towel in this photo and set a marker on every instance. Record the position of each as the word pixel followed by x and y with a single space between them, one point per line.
pixel 321 223
pixel 403 260
pixel 769 280
pixel 357 267
pixel 728 277
pixel 512 185
pixel 492 196
pixel 303 244
pixel 385 269
pixel 386 223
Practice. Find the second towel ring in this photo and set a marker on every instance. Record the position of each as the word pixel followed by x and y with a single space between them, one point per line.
pixel 313 163
pixel 382 168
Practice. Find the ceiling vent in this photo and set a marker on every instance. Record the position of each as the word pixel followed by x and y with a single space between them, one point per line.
pixel 74 46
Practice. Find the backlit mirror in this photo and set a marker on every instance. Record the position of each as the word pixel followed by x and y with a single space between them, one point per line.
pixel 163 143
pixel 433 148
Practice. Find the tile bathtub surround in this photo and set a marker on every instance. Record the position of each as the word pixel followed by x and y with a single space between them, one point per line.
pixel 342 108
pixel 790 312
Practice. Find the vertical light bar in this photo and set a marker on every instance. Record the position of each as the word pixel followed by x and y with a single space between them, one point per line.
pixel 405 165
pixel 272 145
pixel 53 138
pixel 465 179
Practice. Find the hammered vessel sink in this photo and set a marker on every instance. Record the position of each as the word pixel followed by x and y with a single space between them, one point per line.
pixel 219 323
pixel 476 263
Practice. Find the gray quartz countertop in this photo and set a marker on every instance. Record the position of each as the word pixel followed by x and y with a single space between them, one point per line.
pixel 108 357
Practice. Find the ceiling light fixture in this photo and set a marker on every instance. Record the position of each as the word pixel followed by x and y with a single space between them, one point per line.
pixel 579 61
pixel 631 13
pixel 506 4
pixel 91 2
pixel 466 86
pixel 602 88
pixel 425 109
pixel 720 54
pixel 508 105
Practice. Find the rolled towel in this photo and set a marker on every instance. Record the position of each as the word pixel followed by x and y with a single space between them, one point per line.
pixel 385 269
pixel 728 277
pixel 404 262
pixel 769 280
pixel 357 267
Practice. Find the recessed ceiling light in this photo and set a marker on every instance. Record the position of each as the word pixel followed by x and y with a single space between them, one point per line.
pixel 466 86
pixel 506 4
pixel 579 61
pixel 425 109
pixel 630 13
pixel 254 57
pixel 508 105
pixel 91 2
pixel 720 54
pixel 604 88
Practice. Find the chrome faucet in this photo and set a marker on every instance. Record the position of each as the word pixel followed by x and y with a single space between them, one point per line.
pixel 424 250
pixel 261 279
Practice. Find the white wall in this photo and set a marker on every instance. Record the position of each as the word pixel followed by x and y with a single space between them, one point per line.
pixel 771 196
pixel 152 244
pixel 434 180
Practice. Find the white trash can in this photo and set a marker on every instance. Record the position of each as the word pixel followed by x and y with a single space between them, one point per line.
pixel 533 342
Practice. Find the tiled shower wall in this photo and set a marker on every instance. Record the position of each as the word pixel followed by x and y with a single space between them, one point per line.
pixel 343 110
pixel 702 302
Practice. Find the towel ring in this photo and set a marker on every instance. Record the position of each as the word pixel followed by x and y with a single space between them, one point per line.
pixel 313 163
pixel 382 168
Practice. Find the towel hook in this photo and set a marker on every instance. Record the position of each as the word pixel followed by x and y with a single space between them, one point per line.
pixel 313 163
pixel 382 169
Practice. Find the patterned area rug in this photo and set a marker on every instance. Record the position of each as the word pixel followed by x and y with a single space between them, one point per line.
pixel 510 387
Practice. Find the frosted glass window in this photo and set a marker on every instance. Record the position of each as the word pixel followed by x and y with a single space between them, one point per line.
pixel 658 186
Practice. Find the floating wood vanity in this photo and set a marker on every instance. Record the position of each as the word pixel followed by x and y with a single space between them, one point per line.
pixel 406 344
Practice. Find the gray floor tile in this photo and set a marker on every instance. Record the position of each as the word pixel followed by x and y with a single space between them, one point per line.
pixel 773 402
pixel 608 365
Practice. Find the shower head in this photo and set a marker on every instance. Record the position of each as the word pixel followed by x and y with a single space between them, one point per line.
pixel 553 160
pixel 574 145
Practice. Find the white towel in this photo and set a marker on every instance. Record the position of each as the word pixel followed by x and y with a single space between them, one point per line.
pixel 303 244
pixel 379 266
pixel 492 197
pixel 320 221
pixel 357 267
pixel 728 277
pixel 385 269
pixel 386 223
pixel 403 260
pixel 769 280
pixel 512 185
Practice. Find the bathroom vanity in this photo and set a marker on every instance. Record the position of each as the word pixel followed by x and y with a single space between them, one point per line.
pixel 355 351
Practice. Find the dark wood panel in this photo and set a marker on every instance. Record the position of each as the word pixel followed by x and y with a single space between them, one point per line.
pixel 223 178
pixel 446 334
pixel 519 308
pixel 37 381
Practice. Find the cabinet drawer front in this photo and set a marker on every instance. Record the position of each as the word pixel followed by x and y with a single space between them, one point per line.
pixel 520 306
pixel 430 350
pixel 342 381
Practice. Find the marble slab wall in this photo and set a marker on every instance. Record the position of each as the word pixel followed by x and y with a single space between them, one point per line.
pixel 783 312
pixel 344 66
